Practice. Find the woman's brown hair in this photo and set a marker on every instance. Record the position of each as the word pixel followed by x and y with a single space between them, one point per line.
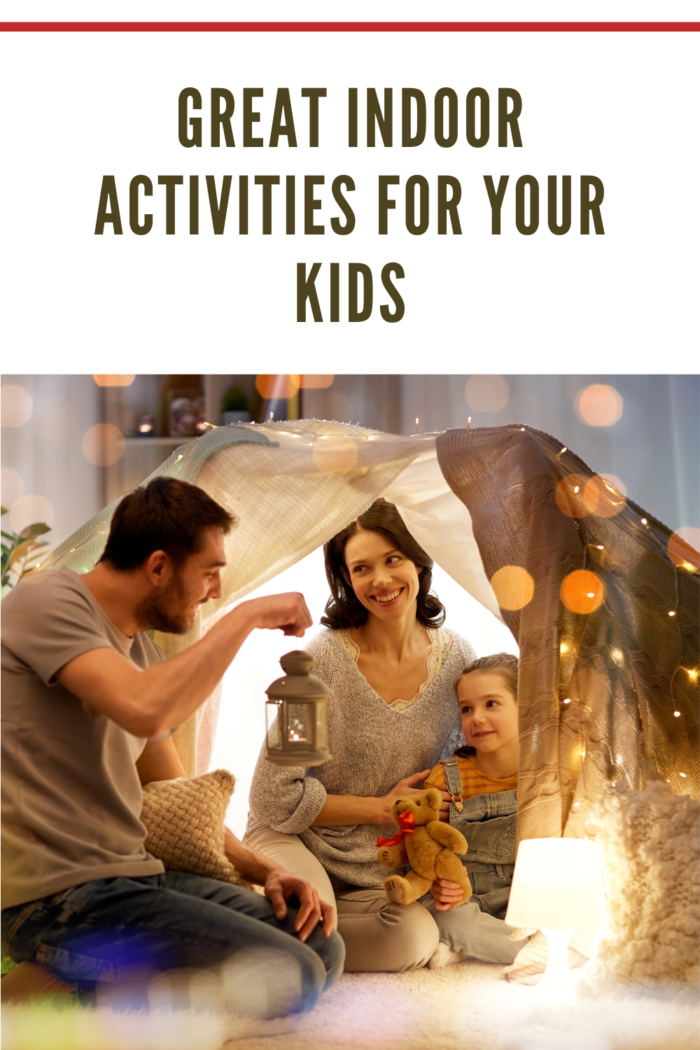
pixel 504 664
pixel 343 609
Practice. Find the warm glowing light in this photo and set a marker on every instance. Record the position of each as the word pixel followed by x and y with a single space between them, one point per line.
pixel 676 714
pixel 671 612
pixel 569 496
pixel 644 521
pixel 563 648
pixel 28 510
pixel 103 445
pixel 114 380
pixel 582 592
pixel 567 701
pixel 335 453
pixel 683 774
pixel 15 405
pixel 605 495
pixel 308 382
pixel 513 586
pixel 684 548
pixel 55 418
pixel 486 393
pixel 278 386
pixel 692 674
pixel 618 758
pixel 617 655
pixel 598 405
pixel 11 485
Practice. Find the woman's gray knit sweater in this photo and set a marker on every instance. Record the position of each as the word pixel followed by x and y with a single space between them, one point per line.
pixel 372 748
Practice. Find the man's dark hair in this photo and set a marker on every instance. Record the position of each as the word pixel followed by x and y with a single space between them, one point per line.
pixel 167 515
pixel 343 609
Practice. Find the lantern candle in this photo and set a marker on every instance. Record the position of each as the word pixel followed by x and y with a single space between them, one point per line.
pixel 297 718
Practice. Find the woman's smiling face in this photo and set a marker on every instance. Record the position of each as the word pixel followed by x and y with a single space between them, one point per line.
pixel 384 580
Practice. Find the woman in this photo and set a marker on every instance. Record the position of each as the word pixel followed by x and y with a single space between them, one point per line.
pixel 390 667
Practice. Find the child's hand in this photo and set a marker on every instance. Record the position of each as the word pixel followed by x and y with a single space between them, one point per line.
pixel 445 893
pixel 445 808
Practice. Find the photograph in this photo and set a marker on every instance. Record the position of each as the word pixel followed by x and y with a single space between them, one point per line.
pixel 354 707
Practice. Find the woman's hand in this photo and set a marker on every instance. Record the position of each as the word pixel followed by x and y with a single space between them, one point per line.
pixel 446 893
pixel 400 790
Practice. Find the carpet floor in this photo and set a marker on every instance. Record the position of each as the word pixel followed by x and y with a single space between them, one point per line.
pixel 464 1007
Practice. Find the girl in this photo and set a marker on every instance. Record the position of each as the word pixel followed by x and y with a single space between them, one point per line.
pixel 479 790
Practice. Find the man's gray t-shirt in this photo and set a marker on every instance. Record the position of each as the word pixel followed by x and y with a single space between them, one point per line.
pixel 71 795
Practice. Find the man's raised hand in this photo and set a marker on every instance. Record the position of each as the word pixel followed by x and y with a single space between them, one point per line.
pixel 286 612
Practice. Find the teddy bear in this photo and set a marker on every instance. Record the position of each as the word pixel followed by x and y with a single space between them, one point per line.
pixel 427 844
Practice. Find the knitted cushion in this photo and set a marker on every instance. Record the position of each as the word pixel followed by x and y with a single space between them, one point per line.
pixel 649 844
pixel 184 819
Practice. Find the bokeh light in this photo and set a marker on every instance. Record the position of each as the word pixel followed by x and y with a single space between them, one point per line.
pixel 15 405
pixel 54 418
pixel 335 453
pixel 114 380
pixel 598 405
pixel 309 382
pixel 582 592
pixel 11 485
pixel 605 495
pixel 103 445
pixel 569 495
pixel 28 510
pixel 270 387
pixel 486 393
pixel 513 586
pixel 683 548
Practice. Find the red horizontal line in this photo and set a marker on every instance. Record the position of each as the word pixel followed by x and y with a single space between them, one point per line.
pixel 349 27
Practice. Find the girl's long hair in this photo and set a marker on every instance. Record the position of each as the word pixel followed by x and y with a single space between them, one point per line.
pixel 343 609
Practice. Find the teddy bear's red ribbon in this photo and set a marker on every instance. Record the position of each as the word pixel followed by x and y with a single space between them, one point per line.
pixel 407 822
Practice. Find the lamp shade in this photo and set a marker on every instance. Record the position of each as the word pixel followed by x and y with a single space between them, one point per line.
pixel 557 885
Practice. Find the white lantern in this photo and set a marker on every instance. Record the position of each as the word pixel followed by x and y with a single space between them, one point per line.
pixel 297 714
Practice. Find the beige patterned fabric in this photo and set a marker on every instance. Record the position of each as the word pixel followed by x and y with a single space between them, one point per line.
pixel 184 819
pixel 440 645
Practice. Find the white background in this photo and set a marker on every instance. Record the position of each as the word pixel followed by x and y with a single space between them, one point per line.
pixel 619 106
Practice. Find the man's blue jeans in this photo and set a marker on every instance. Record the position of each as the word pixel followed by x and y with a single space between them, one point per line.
pixel 115 929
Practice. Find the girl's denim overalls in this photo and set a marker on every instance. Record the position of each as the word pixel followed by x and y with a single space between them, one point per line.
pixel 488 824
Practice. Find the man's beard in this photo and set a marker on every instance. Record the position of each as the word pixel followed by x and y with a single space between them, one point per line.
pixel 166 610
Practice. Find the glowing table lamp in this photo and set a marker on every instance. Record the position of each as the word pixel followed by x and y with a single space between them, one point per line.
pixel 557 888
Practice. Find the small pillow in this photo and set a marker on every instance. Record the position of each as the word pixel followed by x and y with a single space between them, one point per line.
pixel 184 819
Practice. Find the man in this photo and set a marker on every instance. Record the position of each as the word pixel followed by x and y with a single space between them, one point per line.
pixel 88 706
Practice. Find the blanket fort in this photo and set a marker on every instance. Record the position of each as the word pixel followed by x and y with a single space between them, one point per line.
pixel 601 598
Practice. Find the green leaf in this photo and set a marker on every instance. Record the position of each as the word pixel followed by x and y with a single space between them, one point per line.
pixel 37 529
pixel 26 549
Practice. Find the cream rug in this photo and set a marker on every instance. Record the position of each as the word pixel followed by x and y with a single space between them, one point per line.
pixel 463 1007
